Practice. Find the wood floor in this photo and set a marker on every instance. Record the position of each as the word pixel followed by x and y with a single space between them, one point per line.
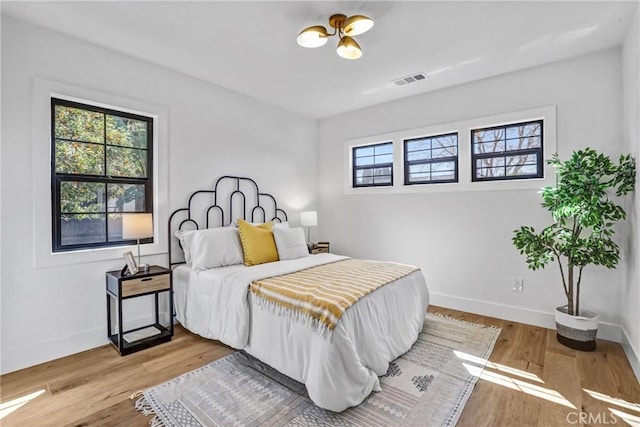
pixel 532 380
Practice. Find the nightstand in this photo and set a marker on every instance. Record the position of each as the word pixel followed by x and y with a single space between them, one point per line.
pixel 119 288
pixel 319 248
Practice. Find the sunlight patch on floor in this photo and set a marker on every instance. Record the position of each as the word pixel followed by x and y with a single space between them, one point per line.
pixel 504 377
pixel 613 400
pixel 516 384
pixel 497 366
pixel 632 420
pixel 8 407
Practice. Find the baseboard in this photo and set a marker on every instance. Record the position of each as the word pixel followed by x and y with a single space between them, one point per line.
pixel 46 351
pixel 24 357
pixel 632 355
pixel 606 331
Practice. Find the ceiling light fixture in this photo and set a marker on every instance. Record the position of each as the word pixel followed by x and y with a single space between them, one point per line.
pixel 345 28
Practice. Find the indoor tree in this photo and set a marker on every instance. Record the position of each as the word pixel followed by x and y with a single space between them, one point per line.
pixel 583 218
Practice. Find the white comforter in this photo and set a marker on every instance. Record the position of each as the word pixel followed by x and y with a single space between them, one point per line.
pixel 339 371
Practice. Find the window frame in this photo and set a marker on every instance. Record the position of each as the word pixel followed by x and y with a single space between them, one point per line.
pixel 58 178
pixel 406 162
pixel 462 127
pixel 522 152
pixel 355 168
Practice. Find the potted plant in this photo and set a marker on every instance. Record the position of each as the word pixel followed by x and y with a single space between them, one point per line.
pixel 581 232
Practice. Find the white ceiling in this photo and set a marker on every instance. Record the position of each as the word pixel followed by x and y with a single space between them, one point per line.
pixel 250 47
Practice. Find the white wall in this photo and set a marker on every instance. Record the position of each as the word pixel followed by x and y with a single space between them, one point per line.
pixel 631 135
pixel 462 240
pixel 55 311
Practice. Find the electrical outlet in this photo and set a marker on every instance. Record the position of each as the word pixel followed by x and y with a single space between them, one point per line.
pixel 517 284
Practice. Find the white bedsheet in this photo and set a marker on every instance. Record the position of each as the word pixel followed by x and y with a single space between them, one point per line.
pixel 339 371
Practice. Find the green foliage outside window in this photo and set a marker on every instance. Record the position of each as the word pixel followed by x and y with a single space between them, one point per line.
pixel 101 159
pixel 81 144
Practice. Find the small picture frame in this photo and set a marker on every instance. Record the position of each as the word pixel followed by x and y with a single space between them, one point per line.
pixel 131 262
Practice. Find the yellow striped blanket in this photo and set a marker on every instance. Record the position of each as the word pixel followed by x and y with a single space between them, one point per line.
pixel 323 293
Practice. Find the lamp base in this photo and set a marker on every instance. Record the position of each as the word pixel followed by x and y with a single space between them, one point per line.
pixel 143 267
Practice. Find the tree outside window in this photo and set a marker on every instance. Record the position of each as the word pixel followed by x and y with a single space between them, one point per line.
pixel 507 152
pixel 101 168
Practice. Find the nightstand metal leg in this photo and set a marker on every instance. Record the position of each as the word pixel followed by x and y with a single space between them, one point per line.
pixel 157 310
pixel 120 329
pixel 108 315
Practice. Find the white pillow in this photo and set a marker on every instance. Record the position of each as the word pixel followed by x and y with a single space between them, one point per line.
pixel 186 237
pixel 290 242
pixel 216 247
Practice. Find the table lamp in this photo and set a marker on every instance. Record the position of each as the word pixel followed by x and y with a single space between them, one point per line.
pixel 308 219
pixel 137 226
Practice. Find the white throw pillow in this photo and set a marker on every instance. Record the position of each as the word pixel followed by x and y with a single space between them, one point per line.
pixel 276 224
pixel 216 247
pixel 186 237
pixel 290 242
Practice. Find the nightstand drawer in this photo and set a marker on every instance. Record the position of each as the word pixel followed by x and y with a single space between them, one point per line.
pixel 319 248
pixel 145 284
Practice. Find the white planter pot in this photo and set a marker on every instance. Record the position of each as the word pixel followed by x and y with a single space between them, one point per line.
pixel 577 332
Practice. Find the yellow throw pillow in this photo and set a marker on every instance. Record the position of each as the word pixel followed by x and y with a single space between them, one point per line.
pixel 258 244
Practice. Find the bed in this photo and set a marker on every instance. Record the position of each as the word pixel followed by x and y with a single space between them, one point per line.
pixel 339 367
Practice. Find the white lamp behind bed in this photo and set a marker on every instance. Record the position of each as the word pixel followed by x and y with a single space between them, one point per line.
pixel 137 226
pixel 308 219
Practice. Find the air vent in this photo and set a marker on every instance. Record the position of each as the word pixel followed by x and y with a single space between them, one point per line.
pixel 410 79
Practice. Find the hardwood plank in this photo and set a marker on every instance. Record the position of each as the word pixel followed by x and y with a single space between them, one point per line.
pixel 554 346
pixel 531 345
pixel 484 404
pixel 115 415
pixel 184 356
pixel 559 374
pixel 598 375
pixel 93 387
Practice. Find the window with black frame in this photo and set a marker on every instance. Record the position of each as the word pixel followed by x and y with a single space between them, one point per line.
pixel 431 159
pixel 373 165
pixel 513 151
pixel 101 168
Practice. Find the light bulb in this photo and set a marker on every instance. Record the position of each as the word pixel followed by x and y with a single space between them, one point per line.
pixel 348 48
pixel 357 24
pixel 314 36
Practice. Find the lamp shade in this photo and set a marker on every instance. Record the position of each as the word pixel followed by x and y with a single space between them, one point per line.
pixel 308 218
pixel 348 48
pixel 357 24
pixel 137 225
pixel 314 36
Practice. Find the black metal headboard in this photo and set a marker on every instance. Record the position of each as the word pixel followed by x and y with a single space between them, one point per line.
pixel 227 195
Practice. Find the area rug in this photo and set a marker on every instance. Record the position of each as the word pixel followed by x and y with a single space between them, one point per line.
pixel 427 386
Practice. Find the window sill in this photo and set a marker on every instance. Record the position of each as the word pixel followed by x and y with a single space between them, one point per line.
pixel 502 185
pixel 81 256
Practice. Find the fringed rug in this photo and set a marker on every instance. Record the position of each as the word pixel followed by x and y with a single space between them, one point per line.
pixel 427 386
